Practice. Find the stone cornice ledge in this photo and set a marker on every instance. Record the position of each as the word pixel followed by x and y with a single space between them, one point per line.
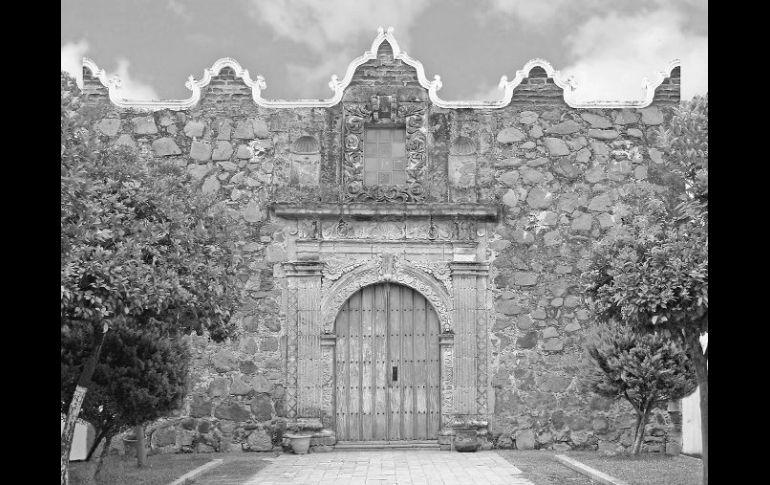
pixel 363 211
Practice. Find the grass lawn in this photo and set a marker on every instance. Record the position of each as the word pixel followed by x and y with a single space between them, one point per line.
pixel 541 468
pixel 646 468
pixel 119 470
pixel 237 468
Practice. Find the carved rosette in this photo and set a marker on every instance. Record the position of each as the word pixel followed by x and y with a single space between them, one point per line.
pixel 412 116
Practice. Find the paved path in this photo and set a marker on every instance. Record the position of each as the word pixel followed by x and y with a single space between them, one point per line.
pixel 416 467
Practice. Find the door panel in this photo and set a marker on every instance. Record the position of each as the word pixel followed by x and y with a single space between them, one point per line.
pixel 387 366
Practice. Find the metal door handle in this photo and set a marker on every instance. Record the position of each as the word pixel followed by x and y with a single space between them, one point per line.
pixel 394 375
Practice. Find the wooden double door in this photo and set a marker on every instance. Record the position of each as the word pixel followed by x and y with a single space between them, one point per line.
pixel 387 366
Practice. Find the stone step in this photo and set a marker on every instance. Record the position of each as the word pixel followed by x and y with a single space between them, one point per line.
pixel 386 445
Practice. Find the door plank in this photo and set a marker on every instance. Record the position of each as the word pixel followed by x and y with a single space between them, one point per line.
pixel 421 371
pixel 354 413
pixel 434 378
pixel 394 344
pixel 380 361
pixel 342 374
pixel 367 366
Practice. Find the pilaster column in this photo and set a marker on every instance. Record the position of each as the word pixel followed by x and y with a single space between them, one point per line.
pixel 469 281
pixel 303 343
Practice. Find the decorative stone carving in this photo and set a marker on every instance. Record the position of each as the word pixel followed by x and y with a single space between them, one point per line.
pixel 346 280
pixel 389 231
pixel 447 379
pixel 356 118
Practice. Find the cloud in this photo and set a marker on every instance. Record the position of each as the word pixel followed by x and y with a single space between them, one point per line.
pixel 322 24
pixel 72 62
pixel 130 87
pixel 529 11
pixel 485 92
pixel 613 53
pixel 312 81
pixel 72 59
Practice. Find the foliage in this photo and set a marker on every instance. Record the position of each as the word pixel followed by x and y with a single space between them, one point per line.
pixel 141 377
pixel 142 251
pixel 651 269
pixel 141 247
pixel 646 369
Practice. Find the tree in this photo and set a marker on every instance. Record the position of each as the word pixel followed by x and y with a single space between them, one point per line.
pixel 142 377
pixel 645 369
pixel 141 247
pixel 651 270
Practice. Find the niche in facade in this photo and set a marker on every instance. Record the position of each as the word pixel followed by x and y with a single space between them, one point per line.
pixel 462 162
pixel 305 159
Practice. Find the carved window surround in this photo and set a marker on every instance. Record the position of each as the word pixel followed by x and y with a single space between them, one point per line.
pixel 358 116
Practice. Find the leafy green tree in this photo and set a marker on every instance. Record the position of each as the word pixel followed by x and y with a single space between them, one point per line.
pixel 651 270
pixel 645 369
pixel 141 247
pixel 140 378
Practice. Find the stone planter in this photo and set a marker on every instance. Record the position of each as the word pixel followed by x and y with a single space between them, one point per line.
pixel 300 443
pixel 466 440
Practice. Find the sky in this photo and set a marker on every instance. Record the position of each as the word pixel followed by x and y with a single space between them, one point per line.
pixel 608 46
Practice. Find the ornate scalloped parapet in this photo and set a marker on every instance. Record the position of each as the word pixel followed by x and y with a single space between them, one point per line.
pixel 338 86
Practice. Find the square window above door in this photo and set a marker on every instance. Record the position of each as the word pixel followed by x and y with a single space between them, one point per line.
pixel 384 156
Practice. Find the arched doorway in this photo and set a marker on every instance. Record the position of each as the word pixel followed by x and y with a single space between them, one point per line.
pixel 387 381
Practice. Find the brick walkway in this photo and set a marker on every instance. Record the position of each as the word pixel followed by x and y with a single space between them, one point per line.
pixel 416 467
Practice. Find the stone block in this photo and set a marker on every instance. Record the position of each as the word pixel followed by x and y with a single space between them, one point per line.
pixel 510 135
pixel 596 121
pixel 524 278
pixel 222 151
pixel 109 126
pixel 603 134
pixel 125 140
pixel 244 130
pixel 262 407
pixel 528 117
pixel 164 147
pixel 232 410
pixel 144 125
pixel 525 439
pixel 539 198
pixel 564 128
pixel 211 185
pixel 200 151
pixel 652 115
pixel 218 387
pixel 194 128
pixel 556 146
pixel 258 440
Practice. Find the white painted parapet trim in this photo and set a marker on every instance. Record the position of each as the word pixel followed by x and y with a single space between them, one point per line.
pixel 338 87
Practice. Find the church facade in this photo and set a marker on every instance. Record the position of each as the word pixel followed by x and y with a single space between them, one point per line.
pixel 411 265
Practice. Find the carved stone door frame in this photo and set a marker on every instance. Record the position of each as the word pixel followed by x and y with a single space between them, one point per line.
pixel 316 290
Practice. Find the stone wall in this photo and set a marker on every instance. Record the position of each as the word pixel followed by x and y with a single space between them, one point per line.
pixel 554 171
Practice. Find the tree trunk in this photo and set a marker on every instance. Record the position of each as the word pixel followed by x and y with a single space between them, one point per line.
pixel 95 445
pixel 704 424
pixel 641 423
pixel 696 353
pixel 141 452
pixel 74 408
pixel 105 452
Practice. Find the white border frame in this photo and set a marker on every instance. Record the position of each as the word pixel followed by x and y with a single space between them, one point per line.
pixel 338 87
